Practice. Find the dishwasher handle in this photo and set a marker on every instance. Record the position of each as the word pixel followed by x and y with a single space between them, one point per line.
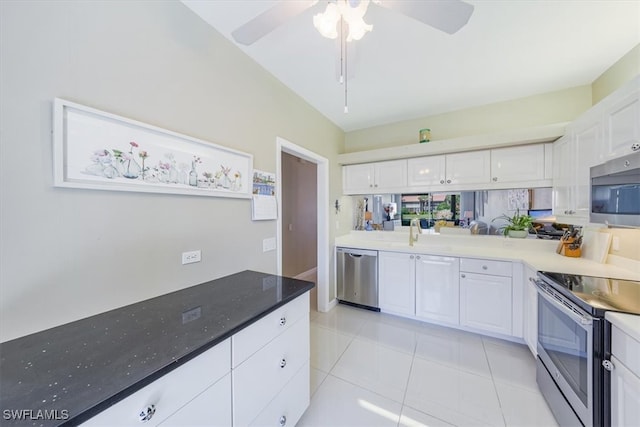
pixel 357 253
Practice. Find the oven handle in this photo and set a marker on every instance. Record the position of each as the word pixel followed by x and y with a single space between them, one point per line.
pixel 583 320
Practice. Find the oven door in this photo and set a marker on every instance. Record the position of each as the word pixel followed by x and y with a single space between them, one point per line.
pixel 565 347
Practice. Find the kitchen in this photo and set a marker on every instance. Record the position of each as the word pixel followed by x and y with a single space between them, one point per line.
pixel 69 254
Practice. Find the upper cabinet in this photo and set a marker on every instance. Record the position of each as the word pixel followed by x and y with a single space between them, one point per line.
pixel 442 172
pixel 622 125
pixel 380 177
pixel 513 164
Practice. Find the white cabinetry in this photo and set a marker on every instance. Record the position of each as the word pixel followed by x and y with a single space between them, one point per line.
pixel 486 295
pixel 396 283
pixel 450 171
pixel 530 310
pixel 266 357
pixel 426 171
pixel 381 177
pixel 518 164
pixel 473 167
pixel 207 373
pixel 625 379
pixel 259 376
pixel 622 122
pixel 437 288
pixel 574 154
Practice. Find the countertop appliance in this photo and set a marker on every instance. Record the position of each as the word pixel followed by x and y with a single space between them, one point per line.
pixel 574 340
pixel 615 191
pixel 357 277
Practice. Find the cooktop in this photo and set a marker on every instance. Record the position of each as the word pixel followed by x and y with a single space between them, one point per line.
pixel 597 294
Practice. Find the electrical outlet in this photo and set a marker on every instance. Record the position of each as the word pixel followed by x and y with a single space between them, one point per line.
pixel 191 257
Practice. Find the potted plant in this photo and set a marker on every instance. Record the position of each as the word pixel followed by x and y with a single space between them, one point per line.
pixel 517 225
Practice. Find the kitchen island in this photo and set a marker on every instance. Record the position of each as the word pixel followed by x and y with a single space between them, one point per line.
pixel 70 373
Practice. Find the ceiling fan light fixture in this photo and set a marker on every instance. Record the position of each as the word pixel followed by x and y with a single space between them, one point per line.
pixel 327 21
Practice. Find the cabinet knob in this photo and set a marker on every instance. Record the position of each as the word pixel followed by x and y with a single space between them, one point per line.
pixel 448 181
pixel 283 321
pixel 283 420
pixel 283 363
pixel 484 267
pixel 417 256
pixel 635 147
pixel 442 181
pixel 371 185
pixel 495 179
pixel 463 275
pixel 411 257
pixel 375 185
pixel 147 413
pixel 627 163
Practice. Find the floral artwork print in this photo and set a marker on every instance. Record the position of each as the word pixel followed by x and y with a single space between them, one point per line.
pixel 164 168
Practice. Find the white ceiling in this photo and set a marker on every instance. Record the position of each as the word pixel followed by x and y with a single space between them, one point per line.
pixel 405 69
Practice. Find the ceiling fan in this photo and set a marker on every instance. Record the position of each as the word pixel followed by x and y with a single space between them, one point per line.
pixel 445 15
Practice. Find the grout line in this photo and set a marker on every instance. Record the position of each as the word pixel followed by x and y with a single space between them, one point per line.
pixel 493 381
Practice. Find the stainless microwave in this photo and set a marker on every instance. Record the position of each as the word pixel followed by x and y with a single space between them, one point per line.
pixel 615 191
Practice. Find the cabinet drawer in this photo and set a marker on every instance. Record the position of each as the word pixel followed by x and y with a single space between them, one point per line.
pixel 261 377
pixel 483 266
pixel 626 349
pixel 254 337
pixel 212 408
pixel 171 391
pixel 289 405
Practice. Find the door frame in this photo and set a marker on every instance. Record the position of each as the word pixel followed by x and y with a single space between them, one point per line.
pixel 322 206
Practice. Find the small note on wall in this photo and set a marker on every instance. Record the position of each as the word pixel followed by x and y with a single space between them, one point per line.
pixel 263 207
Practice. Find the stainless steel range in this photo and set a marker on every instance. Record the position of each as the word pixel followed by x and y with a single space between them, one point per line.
pixel 574 341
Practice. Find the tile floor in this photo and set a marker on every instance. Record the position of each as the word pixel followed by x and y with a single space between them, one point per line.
pixel 372 369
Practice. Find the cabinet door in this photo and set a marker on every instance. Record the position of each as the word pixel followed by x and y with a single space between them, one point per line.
pixel 515 164
pixel 426 171
pixel 530 311
pixel 469 168
pixel 358 179
pixel 485 302
pixel 390 176
pixel 211 408
pixel 622 126
pixel 563 167
pixel 437 288
pixel 625 395
pixel 396 276
pixel 588 142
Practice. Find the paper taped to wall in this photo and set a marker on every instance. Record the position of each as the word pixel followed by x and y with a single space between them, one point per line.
pixel 263 208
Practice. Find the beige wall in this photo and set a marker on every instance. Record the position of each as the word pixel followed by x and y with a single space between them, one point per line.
pixel 554 107
pixel 619 73
pixel 69 253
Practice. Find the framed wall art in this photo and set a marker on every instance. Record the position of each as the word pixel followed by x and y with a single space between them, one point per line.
pixel 97 150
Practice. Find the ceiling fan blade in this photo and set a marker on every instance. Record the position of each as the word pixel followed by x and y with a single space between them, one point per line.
pixel 269 20
pixel 445 15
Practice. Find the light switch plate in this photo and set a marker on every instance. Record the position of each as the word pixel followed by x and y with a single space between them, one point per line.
pixel 269 244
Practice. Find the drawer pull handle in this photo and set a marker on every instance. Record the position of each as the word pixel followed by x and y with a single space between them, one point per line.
pixel 484 267
pixel 463 275
pixel 283 420
pixel 147 413
pixel 283 321
pixel 283 363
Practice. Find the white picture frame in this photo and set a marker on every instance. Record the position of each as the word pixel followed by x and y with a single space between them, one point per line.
pixel 97 150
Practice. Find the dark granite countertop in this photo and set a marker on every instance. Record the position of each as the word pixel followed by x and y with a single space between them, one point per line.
pixel 72 372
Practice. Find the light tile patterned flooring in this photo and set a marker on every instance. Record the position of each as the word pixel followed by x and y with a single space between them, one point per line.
pixel 372 369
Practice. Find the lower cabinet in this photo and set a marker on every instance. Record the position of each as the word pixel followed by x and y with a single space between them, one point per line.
pixel 530 310
pixel 486 299
pixel 397 283
pixel 625 379
pixel 437 288
pixel 259 376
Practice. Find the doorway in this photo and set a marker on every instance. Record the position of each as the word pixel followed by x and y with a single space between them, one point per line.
pixel 297 226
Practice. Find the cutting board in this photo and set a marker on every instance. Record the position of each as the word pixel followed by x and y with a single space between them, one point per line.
pixel 595 246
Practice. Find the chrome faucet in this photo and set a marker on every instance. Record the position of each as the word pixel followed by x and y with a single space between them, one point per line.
pixel 412 237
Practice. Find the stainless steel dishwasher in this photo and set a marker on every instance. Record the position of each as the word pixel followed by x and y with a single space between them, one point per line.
pixel 357 277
